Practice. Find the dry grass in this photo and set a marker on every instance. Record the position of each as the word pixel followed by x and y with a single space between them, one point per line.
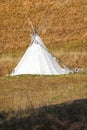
pixel 65 34
pixel 64 31
pixel 20 92
pixel 63 116
pixel 66 116
pixel 66 23
pixel 8 60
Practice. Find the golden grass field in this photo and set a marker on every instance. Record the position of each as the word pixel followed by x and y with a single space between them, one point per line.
pixel 64 23
pixel 37 91
pixel 64 32
pixel 43 102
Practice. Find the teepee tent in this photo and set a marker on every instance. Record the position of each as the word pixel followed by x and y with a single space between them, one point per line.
pixel 38 60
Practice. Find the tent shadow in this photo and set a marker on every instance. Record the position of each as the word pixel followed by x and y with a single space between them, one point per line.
pixel 67 116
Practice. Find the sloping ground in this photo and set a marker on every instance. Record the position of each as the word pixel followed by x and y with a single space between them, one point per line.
pixel 22 91
pixel 65 23
pixel 66 116
pixel 65 33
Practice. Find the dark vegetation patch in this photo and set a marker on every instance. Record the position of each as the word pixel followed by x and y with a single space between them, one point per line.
pixel 66 116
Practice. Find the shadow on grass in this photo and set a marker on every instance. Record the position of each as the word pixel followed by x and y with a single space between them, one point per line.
pixel 66 116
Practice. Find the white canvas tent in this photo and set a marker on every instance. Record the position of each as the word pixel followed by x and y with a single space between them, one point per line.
pixel 38 60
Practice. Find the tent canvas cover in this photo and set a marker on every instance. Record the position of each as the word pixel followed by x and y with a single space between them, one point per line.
pixel 38 60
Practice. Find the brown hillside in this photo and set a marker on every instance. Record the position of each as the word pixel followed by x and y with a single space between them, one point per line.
pixel 65 23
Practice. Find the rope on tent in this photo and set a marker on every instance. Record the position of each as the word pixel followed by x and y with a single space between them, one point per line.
pixel 32 40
